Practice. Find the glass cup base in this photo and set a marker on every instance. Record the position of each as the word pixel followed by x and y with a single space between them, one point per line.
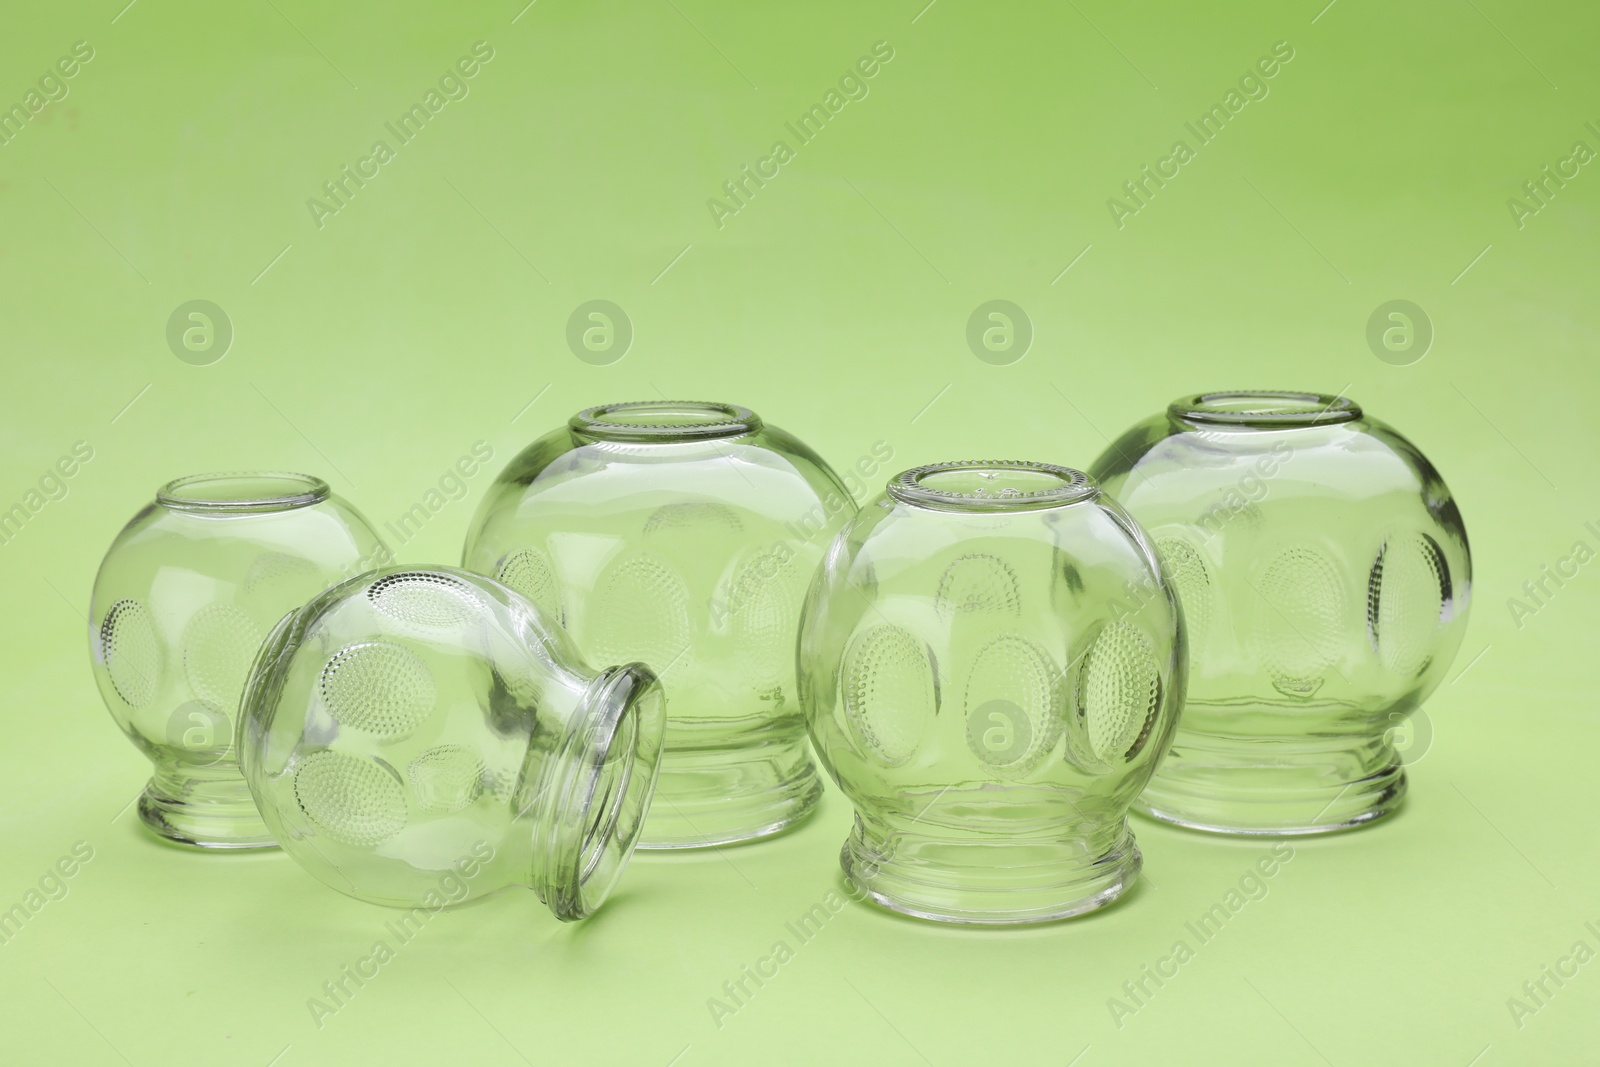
pixel 1204 787
pixel 203 813
pixel 711 798
pixel 986 883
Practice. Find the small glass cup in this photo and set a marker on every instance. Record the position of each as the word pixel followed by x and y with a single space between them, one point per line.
pixel 180 605
pixel 419 738
pixel 1325 579
pixel 991 667
pixel 683 535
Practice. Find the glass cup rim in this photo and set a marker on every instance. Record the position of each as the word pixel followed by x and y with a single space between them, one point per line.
pixel 586 837
pixel 1071 486
pixel 696 420
pixel 1265 408
pixel 234 492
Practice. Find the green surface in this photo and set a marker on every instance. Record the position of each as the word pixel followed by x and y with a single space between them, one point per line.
pixel 430 313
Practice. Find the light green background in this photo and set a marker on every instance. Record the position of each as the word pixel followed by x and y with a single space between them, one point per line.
pixel 431 312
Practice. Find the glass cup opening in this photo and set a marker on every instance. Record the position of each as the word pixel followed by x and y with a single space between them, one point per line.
pixel 243 491
pixel 1264 409
pixel 615 763
pixel 991 485
pixel 649 420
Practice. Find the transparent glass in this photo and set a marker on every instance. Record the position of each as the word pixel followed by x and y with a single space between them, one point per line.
pixel 991 666
pixel 420 738
pixel 683 535
pixel 182 600
pixel 1324 574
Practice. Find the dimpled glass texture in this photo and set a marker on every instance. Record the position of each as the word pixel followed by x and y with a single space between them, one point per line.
pixel 419 738
pixel 991 667
pixel 683 535
pixel 188 590
pixel 1324 576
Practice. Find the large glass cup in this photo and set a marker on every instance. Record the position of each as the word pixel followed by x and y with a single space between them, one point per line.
pixel 682 535
pixel 182 600
pixel 991 666
pixel 420 738
pixel 1325 578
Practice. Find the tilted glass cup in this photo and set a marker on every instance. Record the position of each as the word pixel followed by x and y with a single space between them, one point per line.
pixel 683 535
pixel 420 738
pixel 991 666
pixel 1325 578
pixel 181 602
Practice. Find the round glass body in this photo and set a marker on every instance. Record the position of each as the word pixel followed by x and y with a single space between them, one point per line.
pixel 423 737
pixel 1325 578
pixel 991 666
pixel 682 535
pixel 182 600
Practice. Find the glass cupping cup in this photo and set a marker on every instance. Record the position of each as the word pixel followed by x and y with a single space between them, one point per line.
pixel 1325 578
pixel 683 535
pixel 423 737
pixel 181 602
pixel 991 667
